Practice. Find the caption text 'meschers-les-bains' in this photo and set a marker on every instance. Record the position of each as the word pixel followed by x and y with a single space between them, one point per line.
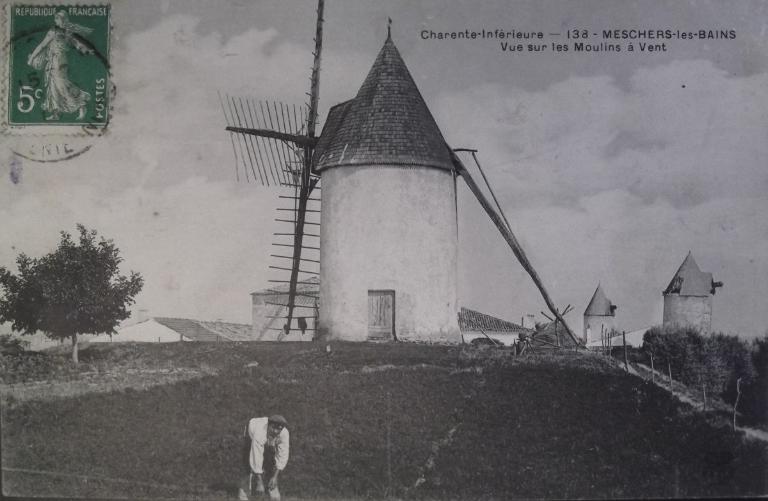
pixel 607 34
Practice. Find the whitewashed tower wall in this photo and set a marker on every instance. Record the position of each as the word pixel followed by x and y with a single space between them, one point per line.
pixel 388 225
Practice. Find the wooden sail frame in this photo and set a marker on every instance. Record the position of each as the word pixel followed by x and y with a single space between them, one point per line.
pixel 287 165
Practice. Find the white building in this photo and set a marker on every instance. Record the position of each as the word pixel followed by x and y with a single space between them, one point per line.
pixel 479 326
pixel 169 330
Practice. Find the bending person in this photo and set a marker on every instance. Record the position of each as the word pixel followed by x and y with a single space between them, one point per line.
pixel 267 456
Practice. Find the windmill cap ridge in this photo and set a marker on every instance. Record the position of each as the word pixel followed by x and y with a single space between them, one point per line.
pixel 386 123
pixel 689 280
pixel 600 305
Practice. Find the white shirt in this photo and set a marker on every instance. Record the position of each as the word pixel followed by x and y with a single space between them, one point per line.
pixel 257 430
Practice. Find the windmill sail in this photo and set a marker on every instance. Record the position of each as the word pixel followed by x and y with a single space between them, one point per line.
pixel 268 139
pixel 273 145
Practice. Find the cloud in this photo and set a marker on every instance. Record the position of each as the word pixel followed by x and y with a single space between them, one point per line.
pixel 684 131
pixel 631 247
pixel 161 182
pixel 614 184
pixel 202 247
pixel 602 180
pixel 167 122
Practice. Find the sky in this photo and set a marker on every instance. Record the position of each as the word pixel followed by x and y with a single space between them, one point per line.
pixel 609 166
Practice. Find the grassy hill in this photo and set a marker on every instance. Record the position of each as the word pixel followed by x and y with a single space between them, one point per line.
pixel 367 422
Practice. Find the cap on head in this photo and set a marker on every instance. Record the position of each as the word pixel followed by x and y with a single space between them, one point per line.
pixel 278 419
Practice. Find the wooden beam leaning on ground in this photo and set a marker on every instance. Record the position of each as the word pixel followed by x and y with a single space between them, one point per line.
pixel 500 222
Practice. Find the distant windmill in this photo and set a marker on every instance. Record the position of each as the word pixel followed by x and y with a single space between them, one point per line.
pixel 389 208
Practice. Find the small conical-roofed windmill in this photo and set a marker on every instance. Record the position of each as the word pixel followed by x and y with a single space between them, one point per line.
pixel 599 317
pixel 389 219
pixel 688 297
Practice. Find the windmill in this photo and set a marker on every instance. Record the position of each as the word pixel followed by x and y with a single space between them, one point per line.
pixel 383 159
pixel 273 145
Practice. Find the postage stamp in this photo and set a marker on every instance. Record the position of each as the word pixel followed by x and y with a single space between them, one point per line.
pixel 58 71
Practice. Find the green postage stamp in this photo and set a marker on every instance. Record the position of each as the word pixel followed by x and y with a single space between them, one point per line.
pixel 58 73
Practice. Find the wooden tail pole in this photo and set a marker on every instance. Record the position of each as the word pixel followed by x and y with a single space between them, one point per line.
pixel 506 232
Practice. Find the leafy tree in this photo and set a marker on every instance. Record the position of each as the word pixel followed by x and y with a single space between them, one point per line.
pixel 738 357
pixel 10 345
pixel 76 289
pixel 755 406
pixel 713 363
pixel 670 345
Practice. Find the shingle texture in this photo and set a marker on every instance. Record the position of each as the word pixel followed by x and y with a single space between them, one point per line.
pixel 388 122
pixel 198 330
pixel 229 330
pixel 690 280
pixel 471 320
pixel 600 305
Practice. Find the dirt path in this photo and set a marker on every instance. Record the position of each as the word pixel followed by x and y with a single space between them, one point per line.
pixel 753 433
pixel 137 379
pixel 683 394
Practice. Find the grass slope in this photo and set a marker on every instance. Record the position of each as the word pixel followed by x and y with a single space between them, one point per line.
pixel 377 421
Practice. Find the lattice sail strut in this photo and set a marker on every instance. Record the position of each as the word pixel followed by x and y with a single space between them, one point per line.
pixel 273 144
pixel 262 135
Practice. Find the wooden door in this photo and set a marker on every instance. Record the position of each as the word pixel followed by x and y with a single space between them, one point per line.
pixel 381 314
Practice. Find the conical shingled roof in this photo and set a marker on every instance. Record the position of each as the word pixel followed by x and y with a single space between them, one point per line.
pixel 600 305
pixel 690 280
pixel 388 122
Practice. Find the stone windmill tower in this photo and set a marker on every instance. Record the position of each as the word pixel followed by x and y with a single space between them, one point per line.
pixel 688 297
pixel 599 317
pixel 388 231
pixel 389 260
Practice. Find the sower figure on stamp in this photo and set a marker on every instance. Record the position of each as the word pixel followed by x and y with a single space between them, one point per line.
pixel 267 456
pixel 50 56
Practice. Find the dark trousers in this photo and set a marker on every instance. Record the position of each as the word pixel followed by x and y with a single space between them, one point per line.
pixel 248 481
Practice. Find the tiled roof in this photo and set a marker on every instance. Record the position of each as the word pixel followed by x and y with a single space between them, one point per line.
pixel 690 280
pixel 471 320
pixel 230 331
pixel 198 330
pixel 388 122
pixel 600 305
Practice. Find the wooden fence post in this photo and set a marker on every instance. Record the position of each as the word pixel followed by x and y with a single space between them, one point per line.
pixel 669 368
pixel 389 444
pixel 736 403
pixel 624 341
